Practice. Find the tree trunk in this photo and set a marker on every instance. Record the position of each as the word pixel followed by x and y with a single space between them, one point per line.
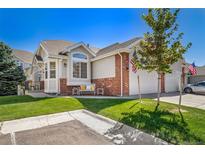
pixel 138 81
pixel 180 92
pixel 158 89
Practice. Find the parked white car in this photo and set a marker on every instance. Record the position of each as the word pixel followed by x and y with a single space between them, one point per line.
pixel 195 88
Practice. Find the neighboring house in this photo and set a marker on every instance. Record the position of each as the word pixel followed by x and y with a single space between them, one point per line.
pixel 200 70
pixel 24 60
pixel 200 76
pixel 61 65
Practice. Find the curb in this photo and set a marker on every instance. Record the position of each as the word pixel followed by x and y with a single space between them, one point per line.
pixel 100 117
pixel 156 140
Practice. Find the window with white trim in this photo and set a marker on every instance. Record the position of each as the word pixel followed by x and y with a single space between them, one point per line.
pixel 80 62
pixel 46 71
pixel 52 70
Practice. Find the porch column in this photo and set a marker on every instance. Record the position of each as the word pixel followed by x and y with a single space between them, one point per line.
pixel 60 65
pixel 60 73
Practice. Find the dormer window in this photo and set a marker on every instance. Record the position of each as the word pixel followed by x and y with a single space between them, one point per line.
pixel 79 61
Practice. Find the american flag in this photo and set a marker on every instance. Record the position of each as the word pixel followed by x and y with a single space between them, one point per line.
pixel 192 69
pixel 133 61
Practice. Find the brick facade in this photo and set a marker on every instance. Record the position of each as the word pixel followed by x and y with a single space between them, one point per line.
pixel 64 89
pixel 41 85
pixel 112 86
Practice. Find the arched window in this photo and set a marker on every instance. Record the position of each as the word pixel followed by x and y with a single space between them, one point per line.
pixel 80 61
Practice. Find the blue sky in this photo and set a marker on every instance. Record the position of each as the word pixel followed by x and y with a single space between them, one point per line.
pixel 26 28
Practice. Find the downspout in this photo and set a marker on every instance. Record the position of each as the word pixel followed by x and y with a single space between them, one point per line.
pixel 121 77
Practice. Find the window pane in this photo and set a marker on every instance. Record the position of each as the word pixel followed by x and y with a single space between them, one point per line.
pixel 46 74
pixel 202 84
pixel 52 65
pixel 80 56
pixel 46 66
pixel 83 70
pixel 52 73
pixel 46 71
pixel 76 69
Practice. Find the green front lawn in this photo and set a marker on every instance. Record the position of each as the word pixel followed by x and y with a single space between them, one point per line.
pixel 15 107
pixel 166 122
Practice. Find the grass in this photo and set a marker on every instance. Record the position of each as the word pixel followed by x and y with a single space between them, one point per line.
pixel 15 107
pixel 166 122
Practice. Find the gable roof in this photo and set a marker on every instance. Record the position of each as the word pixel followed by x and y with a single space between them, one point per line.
pixel 54 47
pixel 25 56
pixel 80 44
pixel 59 47
pixel 117 45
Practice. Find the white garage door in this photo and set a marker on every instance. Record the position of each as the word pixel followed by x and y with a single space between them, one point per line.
pixel 148 82
pixel 172 82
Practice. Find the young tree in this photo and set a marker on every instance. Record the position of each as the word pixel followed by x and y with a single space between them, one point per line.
pixel 161 47
pixel 10 74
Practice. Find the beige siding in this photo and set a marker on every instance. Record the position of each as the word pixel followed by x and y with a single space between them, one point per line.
pixel 103 68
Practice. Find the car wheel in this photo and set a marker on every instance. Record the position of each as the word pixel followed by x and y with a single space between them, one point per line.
pixel 188 90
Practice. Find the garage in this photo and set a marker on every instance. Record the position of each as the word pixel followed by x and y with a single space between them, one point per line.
pixel 148 80
pixel 172 79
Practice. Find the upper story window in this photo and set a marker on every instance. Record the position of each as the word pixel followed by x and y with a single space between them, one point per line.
pixel 80 63
pixel 52 70
pixel 80 56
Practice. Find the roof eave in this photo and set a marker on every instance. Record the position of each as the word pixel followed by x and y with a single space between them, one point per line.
pixel 23 59
pixel 69 48
pixel 127 49
pixel 110 54
pixel 58 56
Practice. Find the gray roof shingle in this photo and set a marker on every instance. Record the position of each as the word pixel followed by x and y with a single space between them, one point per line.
pixel 26 56
pixel 54 47
pixel 116 46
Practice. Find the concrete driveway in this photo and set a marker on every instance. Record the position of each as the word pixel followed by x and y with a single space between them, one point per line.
pixel 192 100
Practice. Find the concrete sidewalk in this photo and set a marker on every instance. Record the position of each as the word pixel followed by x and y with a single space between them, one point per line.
pixel 86 121
pixel 191 100
pixel 33 122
